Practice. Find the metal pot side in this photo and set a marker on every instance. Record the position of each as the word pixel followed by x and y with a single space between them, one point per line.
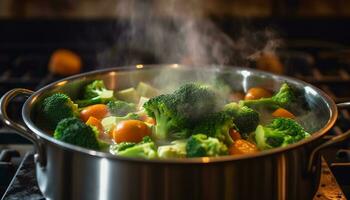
pixel 73 175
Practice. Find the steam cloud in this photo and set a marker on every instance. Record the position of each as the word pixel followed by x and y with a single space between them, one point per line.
pixel 176 32
pixel 161 31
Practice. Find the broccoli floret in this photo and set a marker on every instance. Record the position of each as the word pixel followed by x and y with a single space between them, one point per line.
pixel 57 107
pixel 283 98
pixel 120 108
pixel 200 145
pixel 123 145
pixel 195 100
pixel 74 131
pixel 245 118
pixel 177 149
pixel 145 149
pixel 94 89
pixel 175 113
pixel 129 116
pixel 94 93
pixel 216 125
pixel 102 143
pixel 280 132
pixel 169 122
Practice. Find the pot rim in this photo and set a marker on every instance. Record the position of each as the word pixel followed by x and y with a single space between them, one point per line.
pixel 26 113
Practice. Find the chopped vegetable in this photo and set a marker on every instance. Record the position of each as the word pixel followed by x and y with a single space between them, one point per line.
pixel 281 112
pixel 195 120
pixel 245 118
pixel 99 111
pixel 109 123
pixel 130 131
pixel 241 146
pixel 120 108
pixel 145 90
pixel 129 95
pixel 177 149
pixel 283 98
pixel 147 119
pixel 122 146
pixel 145 149
pixel 57 107
pixel 216 125
pixel 96 93
pixel 280 132
pixel 175 113
pixel 257 93
pixel 170 123
pixel 92 121
pixel 150 120
pixel 74 131
pixel 235 135
pixel 200 145
pixel 142 101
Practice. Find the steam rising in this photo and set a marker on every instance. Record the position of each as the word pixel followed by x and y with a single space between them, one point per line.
pixel 159 32
pixel 173 32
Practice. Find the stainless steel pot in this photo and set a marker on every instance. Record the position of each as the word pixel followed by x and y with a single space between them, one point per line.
pixel 66 171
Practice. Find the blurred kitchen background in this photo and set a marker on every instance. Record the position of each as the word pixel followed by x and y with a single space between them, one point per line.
pixel 241 8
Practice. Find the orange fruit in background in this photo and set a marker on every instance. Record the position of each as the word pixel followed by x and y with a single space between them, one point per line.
pixel 65 62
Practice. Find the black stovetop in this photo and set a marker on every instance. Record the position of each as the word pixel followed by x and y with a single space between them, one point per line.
pixel 24 185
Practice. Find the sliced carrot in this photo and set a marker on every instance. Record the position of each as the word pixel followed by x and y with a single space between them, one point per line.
pixel 150 120
pixel 93 121
pixel 130 131
pixel 235 135
pixel 98 111
pixel 281 112
pixel 147 119
pixel 257 93
pixel 241 146
pixel 110 132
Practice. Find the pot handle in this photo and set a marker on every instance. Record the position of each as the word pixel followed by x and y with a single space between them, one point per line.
pixel 22 130
pixel 335 140
pixel 343 105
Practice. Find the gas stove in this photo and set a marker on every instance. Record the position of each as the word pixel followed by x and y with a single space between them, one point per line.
pixel 312 53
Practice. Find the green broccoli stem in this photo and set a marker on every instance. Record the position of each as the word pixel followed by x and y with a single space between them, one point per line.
pixel 88 102
pixel 263 102
pixel 280 132
pixel 161 128
pixel 145 149
pixel 135 151
pixel 227 138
